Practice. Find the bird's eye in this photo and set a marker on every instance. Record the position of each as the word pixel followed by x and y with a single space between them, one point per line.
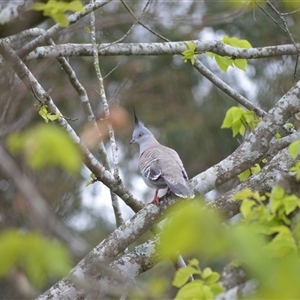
pixel 140 135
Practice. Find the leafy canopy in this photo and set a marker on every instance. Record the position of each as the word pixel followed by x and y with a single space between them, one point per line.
pixel 264 241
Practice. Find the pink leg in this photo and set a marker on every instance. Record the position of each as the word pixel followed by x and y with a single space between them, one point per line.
pixel 155 199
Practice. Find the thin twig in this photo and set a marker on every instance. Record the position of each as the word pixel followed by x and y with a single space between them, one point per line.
pixel 209 75
pixel 285 29
pixel 114 198
pixel 227 89
pixel 73 18
pixel 267 14
pixel 142 24
pixel 79 88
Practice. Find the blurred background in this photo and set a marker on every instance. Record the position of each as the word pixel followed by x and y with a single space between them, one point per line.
pixel 182 108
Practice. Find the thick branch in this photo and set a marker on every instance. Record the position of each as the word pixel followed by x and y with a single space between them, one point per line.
pixel 254 148
pixel 262 182
pixel 108 278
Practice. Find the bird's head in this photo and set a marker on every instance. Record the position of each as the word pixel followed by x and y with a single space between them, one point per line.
pixel 141 135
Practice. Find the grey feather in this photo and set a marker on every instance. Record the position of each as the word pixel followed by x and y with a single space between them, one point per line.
pixel 160 166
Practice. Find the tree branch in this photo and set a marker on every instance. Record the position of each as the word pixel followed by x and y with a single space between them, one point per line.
pixel 91 162
pixel 167 48
pixel 254 148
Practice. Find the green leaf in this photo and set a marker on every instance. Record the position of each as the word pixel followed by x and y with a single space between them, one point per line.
pixel 243 194
pixel 48 116
pixel 56 10
pixel 191 46
pixel 290 203
pixel 206 273
pixel 277 197
pixel 76 6
pixel 216 289
pixel 223 62
pixel 41 258
pixel 241 63
pixel 294 149
pixel 296 169
pixel 182 276
pixel 237 118
pixel 38 6
pixel 244 175
pixel 235 42
pixel 195 219
pixel 283 243
pixel 189 54
pixel 246 207
pixel 213 278
pixel 210 54
pixel 43 113
pixel 42 147
pixel 61 19
pixel 192 290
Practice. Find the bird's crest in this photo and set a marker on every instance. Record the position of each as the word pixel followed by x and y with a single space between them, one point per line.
pixel 137 122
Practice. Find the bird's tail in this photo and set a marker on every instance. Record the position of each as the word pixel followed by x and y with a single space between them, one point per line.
pixel 180 189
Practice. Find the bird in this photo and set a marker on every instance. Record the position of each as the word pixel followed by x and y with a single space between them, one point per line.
pixel 160 166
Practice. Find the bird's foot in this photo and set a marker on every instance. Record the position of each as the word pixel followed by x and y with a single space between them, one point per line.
pixel 155 201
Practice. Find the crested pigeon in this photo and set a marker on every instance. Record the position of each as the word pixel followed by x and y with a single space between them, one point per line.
pixel 160 166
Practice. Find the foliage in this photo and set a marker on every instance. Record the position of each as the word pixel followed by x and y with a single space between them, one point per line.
pixel 44 146
pixel 264 241
pixel 39 257
pixel 272 219
pixel 239 119
pixel 93 179
pixel 56 10
pixel 225 61
pixel 190 54
pixel 296 169
pixel 47 116
pixel 247 173
pixel 205 288
pixel 294 148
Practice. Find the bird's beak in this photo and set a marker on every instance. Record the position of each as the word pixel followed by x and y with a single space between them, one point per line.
pixel 132 141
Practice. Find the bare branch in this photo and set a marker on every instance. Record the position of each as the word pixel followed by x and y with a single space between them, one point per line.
pixel 101 173
pixel 73 18
pixel 227 89
pixel 114 198
pixel 169 48
pixel 138 20
pixel 261 182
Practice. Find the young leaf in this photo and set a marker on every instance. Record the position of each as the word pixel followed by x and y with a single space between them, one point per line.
pixel 189 54
pixel 294 149
pixel 192 290
pixel 182 276
pixel 42 147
